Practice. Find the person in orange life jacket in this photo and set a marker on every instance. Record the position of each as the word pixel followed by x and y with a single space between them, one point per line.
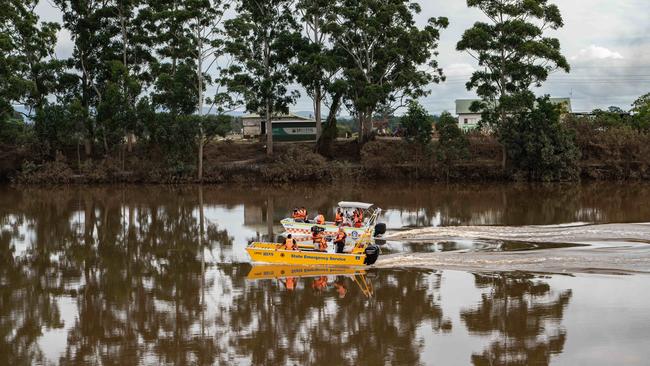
pixel 303 214
pixel 290 283
pixel 340 288
pixel 320 218
pixel 338 218
pixel 296 215
pixel 340 240
pixel 316 238
pixel 358 219
pixel 322 244
pixel 319 283
pixel 289 244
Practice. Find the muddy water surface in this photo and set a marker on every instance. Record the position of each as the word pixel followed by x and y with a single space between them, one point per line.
pixel 127 275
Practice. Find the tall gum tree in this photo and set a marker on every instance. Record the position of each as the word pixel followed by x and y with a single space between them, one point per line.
pixel 315 66
pixel 513 54
pixel 388 58
pixel 206 30
pixel 260 40
pixel 27 64
pixel 89 24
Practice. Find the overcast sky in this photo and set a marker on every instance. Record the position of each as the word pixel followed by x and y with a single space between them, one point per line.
pixel 607 43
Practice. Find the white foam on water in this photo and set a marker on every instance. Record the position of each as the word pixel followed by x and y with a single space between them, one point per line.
pixel 610 247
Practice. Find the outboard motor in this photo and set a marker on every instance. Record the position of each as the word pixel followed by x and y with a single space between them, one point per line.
pixel 372 253
pixel 380 229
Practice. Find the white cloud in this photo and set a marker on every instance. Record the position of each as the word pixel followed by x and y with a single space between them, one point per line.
pixel 459 70
pixel 594 52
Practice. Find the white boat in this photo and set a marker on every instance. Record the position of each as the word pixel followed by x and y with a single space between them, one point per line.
pixel 370 214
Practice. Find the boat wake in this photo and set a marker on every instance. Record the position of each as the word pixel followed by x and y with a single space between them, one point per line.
pixel 606 248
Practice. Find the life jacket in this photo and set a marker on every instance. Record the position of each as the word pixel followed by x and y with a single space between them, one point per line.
pixel 316 236
pixel 303 214
pixel 296 215
pixel 358 220
pixel 340 236
pixel 290 244
pixel 291 283
pixel 338 218
pixel 323 243
pixel 320 219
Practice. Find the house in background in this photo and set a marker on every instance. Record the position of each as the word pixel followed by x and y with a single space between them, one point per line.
pixel 468 120
pixel 286 127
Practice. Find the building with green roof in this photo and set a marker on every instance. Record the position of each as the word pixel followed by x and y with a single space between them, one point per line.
pixel 286 127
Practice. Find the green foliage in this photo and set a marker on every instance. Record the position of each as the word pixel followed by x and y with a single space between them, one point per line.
pixel 177 137
pixel 116 114
pixel 383 52
pixel 612 117
pixel 15 132
pixel 541 147
pixel 26 46
pixel 58 126
pixel 452 142
pixel 641 110
pixel 512 54
pixel 259 41
pixel 417 124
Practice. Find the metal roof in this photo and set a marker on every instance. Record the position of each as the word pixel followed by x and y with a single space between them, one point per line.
pixel 462 105
pixel 292 117
pixel 361 205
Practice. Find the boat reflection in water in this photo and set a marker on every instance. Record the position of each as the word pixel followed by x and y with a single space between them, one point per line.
pixel 322 278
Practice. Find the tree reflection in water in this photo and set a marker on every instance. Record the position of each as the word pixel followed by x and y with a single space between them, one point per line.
pixel 274 326
pixel 134 266
pixel 134 263
pixel 524 314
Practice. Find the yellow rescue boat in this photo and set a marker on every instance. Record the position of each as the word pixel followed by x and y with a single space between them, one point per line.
pixel 271 271
pixel 362 254
pixel 294 272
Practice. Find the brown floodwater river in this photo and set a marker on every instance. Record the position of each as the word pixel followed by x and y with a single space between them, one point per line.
pixel 469 274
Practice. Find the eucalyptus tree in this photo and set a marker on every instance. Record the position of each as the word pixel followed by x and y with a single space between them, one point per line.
pixel 388 58
pixel 206 32
pixel 260 40
pixel 132 47
pixel 174 70
pixel 90 29
pixel 513 54
pixel 27 67
pixel 316 64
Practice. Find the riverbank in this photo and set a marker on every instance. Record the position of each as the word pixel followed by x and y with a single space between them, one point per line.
pixel 605 156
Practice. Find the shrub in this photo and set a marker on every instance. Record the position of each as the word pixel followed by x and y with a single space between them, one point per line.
pixel 296 163
pixel 539 147
pixel 452 143
pixel 57 172
pixel 417 124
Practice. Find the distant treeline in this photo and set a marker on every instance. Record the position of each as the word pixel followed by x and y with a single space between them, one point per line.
pixel 161 76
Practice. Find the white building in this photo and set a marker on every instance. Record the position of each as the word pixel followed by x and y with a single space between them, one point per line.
pixel 468 120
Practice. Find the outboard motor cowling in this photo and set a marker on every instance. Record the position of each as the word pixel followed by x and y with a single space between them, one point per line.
pixel 380 229
pixel 372 253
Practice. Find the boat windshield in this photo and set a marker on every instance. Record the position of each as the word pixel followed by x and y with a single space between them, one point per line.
pixel 361 205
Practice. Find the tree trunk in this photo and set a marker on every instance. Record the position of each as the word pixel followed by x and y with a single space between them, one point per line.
pixel 78 156
pixel 324 143
pixel 199 77
pixel 269 129
pixel 365 127
pixel 88 147
pixel 317 112
pixel 200 176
